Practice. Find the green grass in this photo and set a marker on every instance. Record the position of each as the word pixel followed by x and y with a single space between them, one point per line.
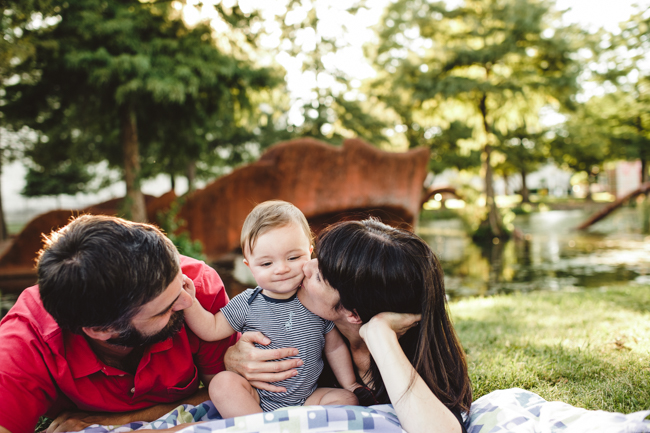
pixel 590 349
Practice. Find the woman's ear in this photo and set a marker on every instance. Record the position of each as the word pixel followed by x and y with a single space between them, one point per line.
pixel 353 317
pixel 99 333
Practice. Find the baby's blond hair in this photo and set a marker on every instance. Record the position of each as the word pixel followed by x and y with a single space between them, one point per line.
pixel 270 215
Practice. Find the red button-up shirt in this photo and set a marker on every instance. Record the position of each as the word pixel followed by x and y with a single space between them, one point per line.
pixel 45 370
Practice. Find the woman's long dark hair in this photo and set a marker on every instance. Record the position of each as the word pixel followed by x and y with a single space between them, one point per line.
pixel 377 268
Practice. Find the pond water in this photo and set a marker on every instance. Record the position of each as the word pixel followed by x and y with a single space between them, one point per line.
pixel 549 254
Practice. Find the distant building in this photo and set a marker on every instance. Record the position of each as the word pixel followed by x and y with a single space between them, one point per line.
pixel 624 177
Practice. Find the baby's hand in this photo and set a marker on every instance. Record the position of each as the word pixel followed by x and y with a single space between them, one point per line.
pixel 188 286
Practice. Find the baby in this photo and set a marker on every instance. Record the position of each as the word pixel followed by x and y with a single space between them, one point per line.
pixel 276 241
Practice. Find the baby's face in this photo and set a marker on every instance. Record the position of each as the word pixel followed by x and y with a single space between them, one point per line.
pixel 277 259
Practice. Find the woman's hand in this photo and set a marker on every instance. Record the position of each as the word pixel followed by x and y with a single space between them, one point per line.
pixel 253 364
pixel 399 323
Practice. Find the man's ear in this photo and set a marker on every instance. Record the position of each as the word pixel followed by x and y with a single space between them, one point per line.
pixel 353 317
pixel 99 333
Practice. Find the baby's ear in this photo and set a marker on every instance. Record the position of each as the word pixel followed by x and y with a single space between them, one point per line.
pixel 246 263
pixel 311 249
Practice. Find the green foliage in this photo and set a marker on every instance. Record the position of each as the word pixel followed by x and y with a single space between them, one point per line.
pixel 43 424
pixel 490 64
pixel 587 349
pixel 447 151
pixel 64 179
pixel 438 214
pixel 111 74
pixel 446 61
pixel 335 109
pixel 174 228
pixel 581 143
pixel 523 151
pixel 624 114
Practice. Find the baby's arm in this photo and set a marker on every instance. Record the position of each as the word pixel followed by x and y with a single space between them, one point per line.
pixel 207 326
pixel 338 356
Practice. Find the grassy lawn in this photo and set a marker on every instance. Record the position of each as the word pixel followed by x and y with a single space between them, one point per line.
pixel 590 349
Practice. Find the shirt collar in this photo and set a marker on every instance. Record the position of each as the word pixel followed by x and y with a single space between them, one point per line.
pixel 83 361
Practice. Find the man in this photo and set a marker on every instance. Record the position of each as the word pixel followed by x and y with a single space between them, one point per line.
pixel 101 338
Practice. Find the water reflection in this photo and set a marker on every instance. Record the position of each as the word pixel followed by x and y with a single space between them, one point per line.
pixel 549 254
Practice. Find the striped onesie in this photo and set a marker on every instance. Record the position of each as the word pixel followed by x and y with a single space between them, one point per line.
pixel 287 323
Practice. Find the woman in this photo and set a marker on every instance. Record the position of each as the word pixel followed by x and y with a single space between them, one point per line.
pixel 383 288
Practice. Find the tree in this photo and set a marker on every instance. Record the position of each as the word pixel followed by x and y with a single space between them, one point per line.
pixel 625 112
pixel 627 109
pixel 523 152
pixel 335 105
pixel 489 63
pixel 16 49
pixel 581 144
pixel 115 77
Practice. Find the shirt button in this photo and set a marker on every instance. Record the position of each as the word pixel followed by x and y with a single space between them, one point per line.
pixel 132 390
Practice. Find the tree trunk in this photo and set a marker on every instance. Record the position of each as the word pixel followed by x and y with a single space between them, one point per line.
pixel 589 198
pixel 172 181
pixel 191 176
pixel 525 194
pixel 645 204
pixel 4 235
pixel 135 206
pixel 506 188
pixel 494 218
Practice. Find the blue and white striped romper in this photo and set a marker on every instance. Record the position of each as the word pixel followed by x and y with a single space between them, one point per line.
pixel 287 323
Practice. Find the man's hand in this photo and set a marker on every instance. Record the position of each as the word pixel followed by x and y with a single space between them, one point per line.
pixel 253 364
pixel 76 420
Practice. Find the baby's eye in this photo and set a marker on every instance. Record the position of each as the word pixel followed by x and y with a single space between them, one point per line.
pixel 266 264
pixel 294 258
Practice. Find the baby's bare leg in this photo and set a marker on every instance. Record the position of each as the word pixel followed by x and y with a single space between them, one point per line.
pixel 232 395
pixel 325 396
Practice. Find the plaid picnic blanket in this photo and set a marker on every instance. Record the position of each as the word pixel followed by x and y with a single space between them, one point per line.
pixel 509 410
pixel 313 419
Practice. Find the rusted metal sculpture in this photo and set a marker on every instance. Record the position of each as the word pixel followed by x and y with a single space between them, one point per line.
pixel 326 182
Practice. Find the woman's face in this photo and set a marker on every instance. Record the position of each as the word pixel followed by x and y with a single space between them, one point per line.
pixel 318 296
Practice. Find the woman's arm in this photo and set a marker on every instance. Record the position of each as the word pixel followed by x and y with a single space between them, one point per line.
pixel 418 409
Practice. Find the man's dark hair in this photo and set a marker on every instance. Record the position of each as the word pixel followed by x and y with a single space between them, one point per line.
pixel 99 270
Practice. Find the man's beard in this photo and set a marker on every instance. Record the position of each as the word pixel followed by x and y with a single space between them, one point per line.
pixel 131 337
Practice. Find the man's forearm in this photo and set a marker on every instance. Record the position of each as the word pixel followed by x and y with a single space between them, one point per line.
pixel 76 421
pixel 155 412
